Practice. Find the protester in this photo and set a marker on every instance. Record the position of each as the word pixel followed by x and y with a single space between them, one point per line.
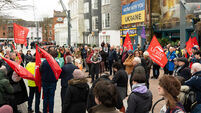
pixel 156 71
pixel 138 68
pixel 95 59
pixel 88 59
pixel 120 79
pixel 84 56
pixel 124 55
pixel 91 99
pixel 147 63
pixel 112 57
pixel 75 99
pixel 129 63
pixel 195 83
pixel 140 99
pixel 33 89
pixel 28 57
pixel 5 87
pixel 197 57
pixel 102 64
pixel 169 88
pixel 49 83
pixel 171 55
pixel 183 70
pixel 66 75
pixel 105 97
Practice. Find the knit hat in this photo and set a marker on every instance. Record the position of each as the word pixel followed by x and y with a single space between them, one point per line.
pixel 6 109
pixel 78 74
pixel 171 85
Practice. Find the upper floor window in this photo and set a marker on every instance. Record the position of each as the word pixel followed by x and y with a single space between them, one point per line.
pixel 86 7
pixel 105 2
pixel 106 20
pixel 86 25
pixel 95 4
pixel 95 23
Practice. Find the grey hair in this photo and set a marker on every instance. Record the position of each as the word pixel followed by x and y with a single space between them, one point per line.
pixel 137 60
pixel 69 59
pixel 146 53
pixel 3 69
pixel 196 66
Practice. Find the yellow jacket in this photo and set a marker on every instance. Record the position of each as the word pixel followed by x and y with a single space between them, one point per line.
pixel 31 68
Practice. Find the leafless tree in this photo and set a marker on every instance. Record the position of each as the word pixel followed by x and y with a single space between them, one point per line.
pixel 12 4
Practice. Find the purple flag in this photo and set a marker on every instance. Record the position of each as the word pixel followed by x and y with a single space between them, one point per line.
pixel 143 34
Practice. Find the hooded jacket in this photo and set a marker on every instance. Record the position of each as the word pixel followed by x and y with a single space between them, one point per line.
pixel 140 100
pixel 5 88
pixel 76 96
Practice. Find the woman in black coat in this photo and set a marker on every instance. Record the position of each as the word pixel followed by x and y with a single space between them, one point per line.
pixel 120 79
pixel 76 95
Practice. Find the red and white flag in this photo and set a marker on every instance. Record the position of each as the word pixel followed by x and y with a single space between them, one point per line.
pixel 52 62
pixel 21 71
pixel 156 52
pixel 20 34
pixel 37 70
pixel 127 43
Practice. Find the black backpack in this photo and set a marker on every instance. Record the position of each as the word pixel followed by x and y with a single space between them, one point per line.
pixel 190 100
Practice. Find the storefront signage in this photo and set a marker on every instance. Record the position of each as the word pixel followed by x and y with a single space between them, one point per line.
pixel 133 12
pixel 132 32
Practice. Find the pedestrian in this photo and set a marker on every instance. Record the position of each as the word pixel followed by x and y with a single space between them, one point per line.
pixel 147 64
pixel 195 83
pixel 129 63
pixel 197 57
pixel 95 59
pixel 169 87
pixel 66 75
pixel 75 99
pixel 120 79
pixel 171 55
pixel 124 55
pixel 183 70
pixel 156 71
pixel 88 59
pixel 28 57
pixel 33 89
pixel 84 56
pixel 91 99
pixel 49 83
pixel 102 64
pixel 112 57
pixel 6 88
pixel 105 97
pixel 140 99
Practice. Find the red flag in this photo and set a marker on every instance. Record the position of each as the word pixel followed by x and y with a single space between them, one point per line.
pixel 52 62
pixel 127 43
pixel 37 70
pixel 20 34
pixel 18 54
pixel 21 71
pixel 156 52
pixel 189 45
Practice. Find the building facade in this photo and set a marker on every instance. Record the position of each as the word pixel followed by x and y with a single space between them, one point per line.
pixel 77 21
pixel 61 34
pixel 35 34
pixel 111 22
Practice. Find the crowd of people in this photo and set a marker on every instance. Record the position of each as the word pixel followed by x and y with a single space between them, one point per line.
pixel 115 74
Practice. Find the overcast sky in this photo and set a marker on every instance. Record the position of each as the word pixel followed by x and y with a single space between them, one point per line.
pixel 43 8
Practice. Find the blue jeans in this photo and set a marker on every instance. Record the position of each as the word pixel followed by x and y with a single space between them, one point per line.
pixel 48 93
pixel 197 109
pixel 32 91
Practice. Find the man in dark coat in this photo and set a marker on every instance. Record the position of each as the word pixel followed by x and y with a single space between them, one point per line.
pixel 49 83
pixel 66 75
pixel 195 83
pixel 183 70
pixel 28 57
pixel 84 56
pixel 112 57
